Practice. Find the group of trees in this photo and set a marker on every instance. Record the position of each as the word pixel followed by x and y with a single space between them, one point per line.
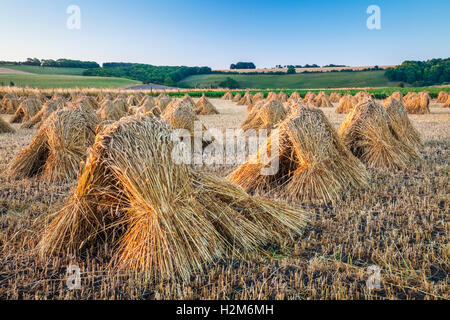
pixel 146 73
pixel 9 62
pixel 331 65
pixel 243 65
pixel 279 66
pixel 421 73
pixel 308 66
pixel 277 73
pixel 229 83
pixel 60 63
pixel 32 62
pixel 291 70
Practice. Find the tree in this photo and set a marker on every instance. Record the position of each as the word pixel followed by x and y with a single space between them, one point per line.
pixel 291 70
pixel 32 62
pixel 434 71
pixel 229 83
pixel 146 73
pixel 243 65
pixel 48 63
pixel 168 81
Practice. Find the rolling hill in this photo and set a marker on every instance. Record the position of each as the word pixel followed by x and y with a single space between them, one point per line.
pixel 47 77
pixel 293 81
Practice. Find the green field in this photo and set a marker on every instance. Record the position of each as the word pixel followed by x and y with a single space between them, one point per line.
pixel 44 81
pixel 377 93
pixel 294 81
pixel 46 70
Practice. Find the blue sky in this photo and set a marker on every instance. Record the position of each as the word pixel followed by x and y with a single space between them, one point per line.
pixel 217 33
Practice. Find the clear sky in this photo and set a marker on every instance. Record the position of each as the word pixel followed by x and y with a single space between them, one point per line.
pixel 217 33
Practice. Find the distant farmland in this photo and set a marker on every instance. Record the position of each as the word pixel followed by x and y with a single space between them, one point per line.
pixel 45 77
pixel 300 70
pixel 46 70
pixel 294 81
pixel 43 81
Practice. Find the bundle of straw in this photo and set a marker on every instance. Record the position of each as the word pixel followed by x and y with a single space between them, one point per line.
pixel 106 111
pixel 121 104
pixel 38 97
pixel 265 115
pixel 442 97
pixel 417 103
pixel 403 128
pixel 204 107
pixel 135 110
pixel 335 97
pixel 246 99
pixel 157 216
pixel 293 107
pixel 103 97
pixel 5 127
pixel 148 105
pixel 294 97
pixel 112 110
pixel 10 103
pixel 162 102
pixel 180 114
pixel 134 100
pixel 309 99
pixel 87 102
pixel 363 96
pixel 48 108
pixel 59 147
pixel 322 100
pixel 237 97
pixel 282 97
pixel 368 133
pixel 26 110
pixel 258 97
pixel 447 104
pixel 346 104
pixel 228 96
pixel 397 95
pixel 188 98
pixel 313 162
pixel 272 96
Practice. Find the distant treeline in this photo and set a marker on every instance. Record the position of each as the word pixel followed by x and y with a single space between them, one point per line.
pixel 9 62
pixel 279 73
pixel 375 68
pixel 243 65
pixel 421 73
pixel 147 73
pixel 306 66
pixel 249 73
pixel 334 66
pixel 60 63
pixel 299 66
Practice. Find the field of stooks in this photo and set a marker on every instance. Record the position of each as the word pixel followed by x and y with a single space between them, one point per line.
pixel 358 208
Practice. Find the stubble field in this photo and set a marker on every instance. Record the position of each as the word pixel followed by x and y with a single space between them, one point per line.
pixel 400 224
